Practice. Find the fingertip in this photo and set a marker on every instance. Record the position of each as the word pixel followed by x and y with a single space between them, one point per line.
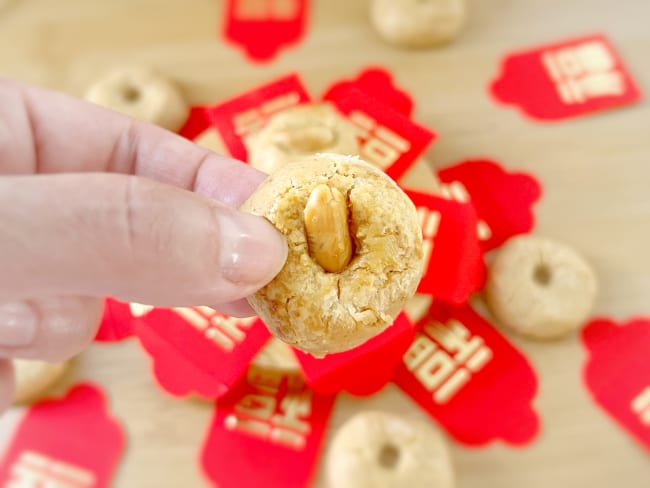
pixel 252 251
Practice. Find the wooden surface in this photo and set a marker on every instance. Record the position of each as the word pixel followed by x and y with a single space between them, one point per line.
pixel 595 171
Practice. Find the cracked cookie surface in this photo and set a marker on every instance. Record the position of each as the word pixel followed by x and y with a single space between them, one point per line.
pixel 322 312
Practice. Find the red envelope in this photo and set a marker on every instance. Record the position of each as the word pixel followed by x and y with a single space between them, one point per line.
pixel 617 372
pixel 117 322
pixel 468 377
pixel 454 266
pixel 241 116
pixel 565 79
pixel 266 432
pixel 199 349
pixel 69 442
pixel 262 27
pixel 377 83
pixel 387 137
pixel 503 201
pixel 197 122
pixel 363 370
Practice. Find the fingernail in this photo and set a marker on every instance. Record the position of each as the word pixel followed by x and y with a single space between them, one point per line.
pixel 17 324
pixel 252 250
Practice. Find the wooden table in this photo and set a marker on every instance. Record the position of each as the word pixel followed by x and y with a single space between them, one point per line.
pixel 595 171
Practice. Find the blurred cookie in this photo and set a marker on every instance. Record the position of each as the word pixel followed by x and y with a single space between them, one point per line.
pixel 418 23
pixel 540 288
pixel 382 450
pixel 141 94
pixel 298 132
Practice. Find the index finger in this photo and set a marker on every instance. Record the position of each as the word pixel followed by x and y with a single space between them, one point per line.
pixel 47 132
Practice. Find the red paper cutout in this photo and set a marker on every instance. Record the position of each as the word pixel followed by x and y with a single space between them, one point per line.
pixel 388 138
pixel 565 79
pixel 363 370
pixel 197 122
pixel 503 200
pixel 266 432
pixel 617 372
pixel 376 83
pixel 199 349
pixel 469 378
pixel 262 27
pixel 117 322
pixel 241 116
pixel 67 442
pixel 454 265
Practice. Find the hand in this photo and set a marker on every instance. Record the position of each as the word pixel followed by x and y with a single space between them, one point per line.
pixel 93 203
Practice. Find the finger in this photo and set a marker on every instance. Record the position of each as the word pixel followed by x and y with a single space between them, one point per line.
pixel 50 329
pixel 49 132
pixel 131 238
pixel 238 308
pixel 7 384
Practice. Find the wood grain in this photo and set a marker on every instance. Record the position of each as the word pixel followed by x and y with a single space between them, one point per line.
pixel 595 172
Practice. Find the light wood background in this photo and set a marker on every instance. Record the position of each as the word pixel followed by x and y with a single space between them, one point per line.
pixel 596 172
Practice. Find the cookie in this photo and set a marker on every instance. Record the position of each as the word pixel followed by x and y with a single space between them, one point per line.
pixel 382 450
pixel 540 288
pixel 298 132
pixel 35 378
pixel 141 94
pixel 355 252
pixel 418 23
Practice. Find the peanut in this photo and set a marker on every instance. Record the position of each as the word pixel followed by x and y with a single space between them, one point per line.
pixel 327 228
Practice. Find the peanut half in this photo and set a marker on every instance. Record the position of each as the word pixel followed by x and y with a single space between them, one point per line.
pixel 326 225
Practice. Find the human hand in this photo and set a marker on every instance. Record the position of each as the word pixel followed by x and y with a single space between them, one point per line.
pixel 93 204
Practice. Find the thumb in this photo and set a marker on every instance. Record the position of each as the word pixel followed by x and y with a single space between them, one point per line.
pixel 98 234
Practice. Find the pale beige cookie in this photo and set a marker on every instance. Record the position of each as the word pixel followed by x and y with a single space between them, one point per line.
pixel 418 23
pixel 540 288
pixel 35 378
pixel 355 252
pixel 141 94
pixel 298 132
pixel 382 450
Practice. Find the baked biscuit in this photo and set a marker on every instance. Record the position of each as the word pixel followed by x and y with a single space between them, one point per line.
pixel 355 252
pixel 540 288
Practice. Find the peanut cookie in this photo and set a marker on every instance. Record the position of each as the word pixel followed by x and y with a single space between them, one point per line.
pixel 34 378
pixel 141 94
pixel 381 450
pixel 355 252
pixel 540 288
pixel 418 23
pixel 298 132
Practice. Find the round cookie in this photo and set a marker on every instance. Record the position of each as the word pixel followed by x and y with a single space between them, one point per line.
pixel 34 378
pixel 298 132
pixel 381 450
pixel 418 23
pixel 368 281
pixel 540 288
pixel 141 94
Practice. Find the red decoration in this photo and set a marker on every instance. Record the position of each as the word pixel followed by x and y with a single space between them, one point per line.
pixel 377 83
pixel 72 441
pixel 243 115
pixel 454 265
pixel 198 349
pixel 617 372
pixel 388 138
pixel 262 27
pixel 469 378
pixel 503 201
pixel 565 79
pixel 363 370
pixel 267 432
pixel 117 322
